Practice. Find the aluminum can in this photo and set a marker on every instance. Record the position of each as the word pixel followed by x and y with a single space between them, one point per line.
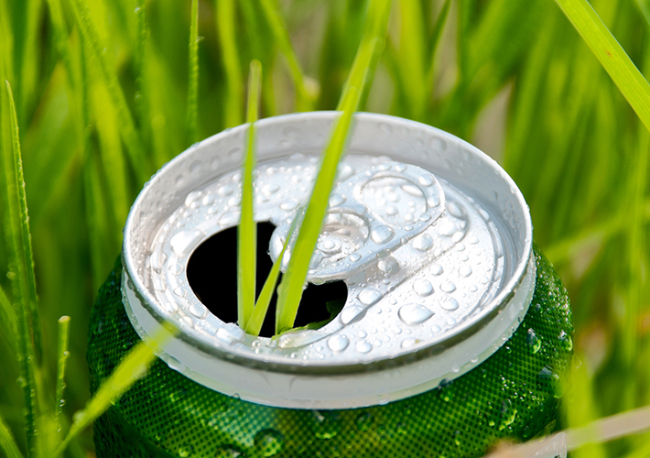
pixel 454 333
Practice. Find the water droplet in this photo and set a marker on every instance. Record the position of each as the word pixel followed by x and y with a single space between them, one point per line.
pixel 412 190
pixel 186 450
pixel 230 218
pixel 547 378
pixel 269 442
pixel 345 171
pixel 382 234
pixel 354 257
pixel 157 260
pixel 436 269
pixel 270 189
pixel 326 424
pixel 423 243
pixel 289 204
pixel 225 190
pixel 534 342
pixel 426 180
pixel 566 342
pixel 446 228
pixel 369 296
pixel 408 343
pixel 508 414
pixel 413 314
pixel 455 210
pixel 363 422
pixel 465 271
pixel 448 287
pixel 338 343
pixel 336 199
pixel 198 310
pixel 184 241
pixel 229 451
pixel 363 346
pixel 392 210
pixel 388 265
pixel 450 304
pixel 422 287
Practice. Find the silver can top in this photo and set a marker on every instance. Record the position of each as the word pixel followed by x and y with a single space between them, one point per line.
pixel 431 237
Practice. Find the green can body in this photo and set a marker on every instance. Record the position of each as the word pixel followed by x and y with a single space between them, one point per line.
pixel 512 395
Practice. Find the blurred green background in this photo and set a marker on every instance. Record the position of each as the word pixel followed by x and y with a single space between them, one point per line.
pixel 107 91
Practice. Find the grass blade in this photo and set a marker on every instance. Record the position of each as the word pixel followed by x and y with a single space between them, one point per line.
pixel 132 368
pixel 290 290
pixel 24 285
pixel 247 229
pixel 131 138
pixel 611 55
pixel 63 353
pixel 434 41
pixel 193 71
pixel 256 320
pixel 304 100
pixel 225 12
pixel 8 321
pixel 7 441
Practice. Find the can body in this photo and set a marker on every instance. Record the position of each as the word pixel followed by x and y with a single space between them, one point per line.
pixel 510 393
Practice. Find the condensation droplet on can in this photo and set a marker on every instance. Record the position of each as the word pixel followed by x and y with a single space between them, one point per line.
pixel 413 314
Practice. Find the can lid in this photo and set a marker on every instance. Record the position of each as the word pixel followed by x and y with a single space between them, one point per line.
pixel 431 236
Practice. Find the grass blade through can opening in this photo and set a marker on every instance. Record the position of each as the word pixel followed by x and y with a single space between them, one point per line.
pixel 247 229
pixel 290 290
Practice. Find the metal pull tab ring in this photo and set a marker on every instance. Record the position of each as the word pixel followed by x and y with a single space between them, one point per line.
pixel 371 214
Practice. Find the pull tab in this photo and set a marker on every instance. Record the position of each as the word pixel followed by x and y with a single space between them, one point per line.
pixel 371 214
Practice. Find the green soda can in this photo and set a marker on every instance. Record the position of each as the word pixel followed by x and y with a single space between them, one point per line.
pixel 445 330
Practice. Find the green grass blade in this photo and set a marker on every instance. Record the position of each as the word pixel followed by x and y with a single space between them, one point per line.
pixel 8 321
pixel 290 290
pixel 411 58
pixel 130 134
pixel 7 441
pixel 193 72
pixel 23 286
pixel 225 12
pixel 247 229
pixel 304 100
pixel 60 36
pixel 63 353
pixel 611 55
pixel 256 320
pixel 132 368
pixel 434 41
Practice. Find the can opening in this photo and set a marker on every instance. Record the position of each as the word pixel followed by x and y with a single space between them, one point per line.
pixel 319 305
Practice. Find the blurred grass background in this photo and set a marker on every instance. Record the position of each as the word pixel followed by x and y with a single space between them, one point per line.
pixel 107 91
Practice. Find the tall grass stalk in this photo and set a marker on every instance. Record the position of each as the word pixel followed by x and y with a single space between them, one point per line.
pixel 290 290
pixel 23 284
pixel 247 229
